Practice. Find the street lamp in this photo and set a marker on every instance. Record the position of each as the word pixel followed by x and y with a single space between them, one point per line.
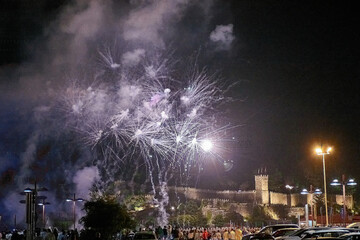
pixel 288 197
pixel 43 203
pixel 317 191
pixel 350 182
pixel 319 151
pixel 31 199
pixel 74 200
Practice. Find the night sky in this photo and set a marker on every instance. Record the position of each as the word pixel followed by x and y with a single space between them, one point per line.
pixel 296 64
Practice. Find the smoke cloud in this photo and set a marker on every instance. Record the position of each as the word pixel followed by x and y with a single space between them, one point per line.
pixel 223 36
pixel 149 21
pixel 84 179
pixel 67 49
pixel 132 58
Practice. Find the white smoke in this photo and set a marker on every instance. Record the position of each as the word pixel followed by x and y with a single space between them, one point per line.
pixel 223 36
pixel 71 38
pixel 27 159
pixel 84 179
pixel 132 58
pixel 147 22
pixel 11 202
pixel 78 24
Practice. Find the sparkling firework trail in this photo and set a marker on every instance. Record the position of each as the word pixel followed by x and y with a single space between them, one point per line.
pixel 142 108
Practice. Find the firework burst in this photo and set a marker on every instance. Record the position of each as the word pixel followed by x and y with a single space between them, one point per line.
pixel 143 109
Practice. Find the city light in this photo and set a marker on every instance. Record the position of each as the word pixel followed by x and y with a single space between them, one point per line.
pixel 319 151
pixel 335 182
pixel 304 191
pixel 351 182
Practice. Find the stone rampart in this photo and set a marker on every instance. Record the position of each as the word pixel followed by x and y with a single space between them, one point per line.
pixel 278 198
pixel 233 196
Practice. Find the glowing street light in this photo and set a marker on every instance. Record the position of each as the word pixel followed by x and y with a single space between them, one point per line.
pixel 319 151
pixel 43 203
pixel 31 199
pixel 74 200
pixel 350 182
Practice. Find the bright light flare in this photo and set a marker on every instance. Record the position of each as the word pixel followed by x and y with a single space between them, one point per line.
pixel 206 145
pixel 178 139
pixel 318 151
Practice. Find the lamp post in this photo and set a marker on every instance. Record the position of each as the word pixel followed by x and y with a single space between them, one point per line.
pixel 350 182
pixel 43 203
pixel 319 151
pixel 312 192
pixel 289 187
pixel 31 199
pixel 74 200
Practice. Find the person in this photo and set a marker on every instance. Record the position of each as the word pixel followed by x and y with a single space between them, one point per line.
pixel 62 235
pixel 175 233
pixel 98 236
pixel 49 235
pixel 232 234
pixel 181 235
pixel 205 234
pixel 190 235
pixel 159 232
pixel 226 234
pixel 165 232
pixel 55 232
pixel 197 234
pixel 15 235
pixel 74 235
pixel 218 235
pixel 238 234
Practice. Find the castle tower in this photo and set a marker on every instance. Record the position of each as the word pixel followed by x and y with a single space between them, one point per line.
pixel 262 187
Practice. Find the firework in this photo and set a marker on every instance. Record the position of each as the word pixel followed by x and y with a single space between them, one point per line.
pixel 141 109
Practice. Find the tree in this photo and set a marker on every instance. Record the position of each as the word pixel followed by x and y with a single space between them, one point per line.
pixel 259 216
pixel 276 181
pixel 234 217
pixel 105 216
pixel 219 221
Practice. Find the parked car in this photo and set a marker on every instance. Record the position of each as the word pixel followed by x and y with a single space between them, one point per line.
pixel 144 236
pixel 331 232
pixel 350 236
pixel 297 235
pixel 354 225
pixel 261 236
pixel 284 232
pixel 270 229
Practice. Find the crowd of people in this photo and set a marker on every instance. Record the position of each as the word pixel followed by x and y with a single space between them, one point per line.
pixel 42 234
pixel 213 233
pixel 162 233
pixel 198 233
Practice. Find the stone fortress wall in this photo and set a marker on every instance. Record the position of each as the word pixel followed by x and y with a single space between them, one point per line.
pixel 244 200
